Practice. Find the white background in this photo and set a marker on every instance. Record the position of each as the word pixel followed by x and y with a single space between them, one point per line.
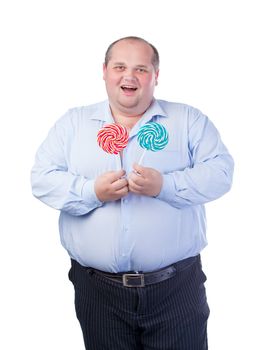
pixel 51 60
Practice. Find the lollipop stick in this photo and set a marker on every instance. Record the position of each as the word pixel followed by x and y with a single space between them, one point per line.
pixel 142 156
pixel 113 138
pixel 118 161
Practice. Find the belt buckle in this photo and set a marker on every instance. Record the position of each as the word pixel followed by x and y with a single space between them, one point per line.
pixel 133 280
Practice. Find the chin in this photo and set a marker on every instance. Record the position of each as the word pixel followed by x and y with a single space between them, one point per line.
pixel 128 104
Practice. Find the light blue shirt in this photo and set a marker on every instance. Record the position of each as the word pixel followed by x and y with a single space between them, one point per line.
pixel 137 233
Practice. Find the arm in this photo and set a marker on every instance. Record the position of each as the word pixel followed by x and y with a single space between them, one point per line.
pixel 56 186
pixel 208 177
pixel 53 183
pixel 210 174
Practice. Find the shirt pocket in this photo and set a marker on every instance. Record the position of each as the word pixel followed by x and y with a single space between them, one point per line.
pixel 166 160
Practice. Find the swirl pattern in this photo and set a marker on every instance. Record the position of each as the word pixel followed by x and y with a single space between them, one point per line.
pixel 153 137
pixel 113 138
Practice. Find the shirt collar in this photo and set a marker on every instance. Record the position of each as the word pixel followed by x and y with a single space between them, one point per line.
pixel 103 112
pixel 153 113
pixel 154 109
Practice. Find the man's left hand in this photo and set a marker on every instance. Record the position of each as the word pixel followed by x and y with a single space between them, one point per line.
pixel 145 181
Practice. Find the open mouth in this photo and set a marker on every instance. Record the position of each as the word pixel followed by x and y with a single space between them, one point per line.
pixel 128 88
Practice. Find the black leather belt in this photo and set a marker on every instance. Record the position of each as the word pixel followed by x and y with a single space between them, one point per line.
pixel 138 279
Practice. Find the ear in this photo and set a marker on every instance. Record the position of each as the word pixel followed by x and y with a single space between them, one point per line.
pixel 156 77
pixel 104 70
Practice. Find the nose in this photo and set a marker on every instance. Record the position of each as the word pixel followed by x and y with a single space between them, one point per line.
pixel 129 77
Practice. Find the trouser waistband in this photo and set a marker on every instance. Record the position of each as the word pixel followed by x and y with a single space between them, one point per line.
pixel 140 279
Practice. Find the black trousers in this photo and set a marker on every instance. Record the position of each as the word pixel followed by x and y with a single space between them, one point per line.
pixel 168 315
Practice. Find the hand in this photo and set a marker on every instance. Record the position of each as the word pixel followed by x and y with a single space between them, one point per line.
pixel 145 181
pixel 111 186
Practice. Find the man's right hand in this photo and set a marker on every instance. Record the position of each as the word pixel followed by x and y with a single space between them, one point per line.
pixel 111 186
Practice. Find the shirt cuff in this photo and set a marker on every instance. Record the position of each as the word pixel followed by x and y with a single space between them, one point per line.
pixel 89 195
pixel 167 189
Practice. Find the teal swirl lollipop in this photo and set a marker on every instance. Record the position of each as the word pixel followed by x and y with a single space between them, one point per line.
pixel 152 137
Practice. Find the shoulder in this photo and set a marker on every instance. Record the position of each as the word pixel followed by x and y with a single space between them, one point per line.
pixel 93 111
pixel 182 112
pixel 81 117
pixel 178 108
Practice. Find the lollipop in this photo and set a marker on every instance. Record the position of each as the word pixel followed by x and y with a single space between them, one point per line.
pixel 152 137
pixel 113 138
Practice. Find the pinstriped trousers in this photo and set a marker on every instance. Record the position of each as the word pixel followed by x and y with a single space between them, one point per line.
pixel 170 315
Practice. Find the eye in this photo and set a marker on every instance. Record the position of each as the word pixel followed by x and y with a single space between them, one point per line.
pixel 141 70
pixel 119 68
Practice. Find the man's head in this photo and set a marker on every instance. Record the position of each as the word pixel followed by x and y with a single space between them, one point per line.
pixel 155 56
pixel 130 72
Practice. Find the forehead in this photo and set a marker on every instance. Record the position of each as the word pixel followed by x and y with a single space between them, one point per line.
pixel 132 50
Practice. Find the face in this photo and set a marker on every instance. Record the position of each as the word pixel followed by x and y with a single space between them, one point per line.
pixel 130 77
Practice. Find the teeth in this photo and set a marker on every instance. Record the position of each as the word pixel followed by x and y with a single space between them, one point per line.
pixel 128 87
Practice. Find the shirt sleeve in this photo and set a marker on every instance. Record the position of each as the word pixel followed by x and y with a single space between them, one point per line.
pixel 51 180
pixel 210 173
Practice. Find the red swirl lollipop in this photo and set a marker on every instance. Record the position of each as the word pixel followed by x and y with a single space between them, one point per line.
pixel 113 138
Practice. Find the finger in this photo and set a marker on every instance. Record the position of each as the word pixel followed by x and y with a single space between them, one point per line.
pixel 133 190
pixel 122 192
pixel 139 169
pixel 134 186
pixel 116 175
pixel 119 184
pixel 137 179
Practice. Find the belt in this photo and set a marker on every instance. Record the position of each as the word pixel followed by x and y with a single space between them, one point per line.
pixel 138 279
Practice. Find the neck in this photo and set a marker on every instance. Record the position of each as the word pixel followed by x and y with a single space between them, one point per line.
pixel 127 117
pixel 127 121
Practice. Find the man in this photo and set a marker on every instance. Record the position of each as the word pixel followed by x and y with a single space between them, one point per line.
pixel 135 232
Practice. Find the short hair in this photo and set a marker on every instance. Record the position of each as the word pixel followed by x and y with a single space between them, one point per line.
pixel 155 56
